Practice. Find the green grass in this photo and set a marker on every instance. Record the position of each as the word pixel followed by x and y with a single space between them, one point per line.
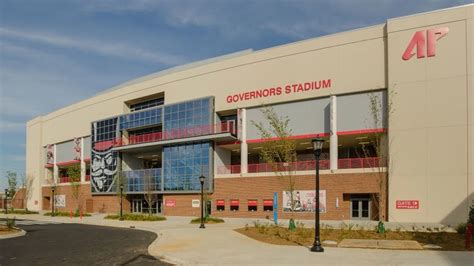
pixel 207 220
pixel 19 212
pixel 66 214
pixel 136 217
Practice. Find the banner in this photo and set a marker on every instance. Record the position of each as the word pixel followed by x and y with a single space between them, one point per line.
pixel 60 200
pixel 304 201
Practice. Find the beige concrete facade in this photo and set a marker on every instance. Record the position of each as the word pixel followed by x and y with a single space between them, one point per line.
pixel 430 131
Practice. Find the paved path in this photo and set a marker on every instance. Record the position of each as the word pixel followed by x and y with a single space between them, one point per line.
pixel 76 244
pixel 184 243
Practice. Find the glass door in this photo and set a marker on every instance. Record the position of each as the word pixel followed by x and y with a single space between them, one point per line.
pixel 137 205
pixel 360 207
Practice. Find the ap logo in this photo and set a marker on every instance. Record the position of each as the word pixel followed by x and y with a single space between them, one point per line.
pixel 425 43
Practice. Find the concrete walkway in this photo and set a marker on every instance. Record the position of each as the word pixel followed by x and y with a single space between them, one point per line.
pixel 184 243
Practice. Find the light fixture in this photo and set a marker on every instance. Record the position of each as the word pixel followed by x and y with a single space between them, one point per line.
pixel 257 148
pixel 318 145
pixel 365 142
pixel 305 143
pixel 365 137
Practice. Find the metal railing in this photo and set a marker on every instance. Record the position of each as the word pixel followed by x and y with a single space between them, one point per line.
pixel 185 132
pixel 349 163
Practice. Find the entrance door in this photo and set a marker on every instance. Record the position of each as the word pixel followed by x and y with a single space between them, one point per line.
pixel 159 204
pixel 137 205
pixel 360 207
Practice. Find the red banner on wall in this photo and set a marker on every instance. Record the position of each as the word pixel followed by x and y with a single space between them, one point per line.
pixel 408 204
pixel 170 203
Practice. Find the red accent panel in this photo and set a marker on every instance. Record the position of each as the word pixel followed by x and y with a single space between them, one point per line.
pixel 252 202
pixel 68 163
pixel 361 131
pixel 267 202
pixel 220 202
pixel 234 203
pixel 48 165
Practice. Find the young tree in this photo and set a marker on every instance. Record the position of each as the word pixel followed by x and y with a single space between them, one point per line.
pixel 278 150
pixel 149 188
pixel 27 185
pixel 12 178
pixel 378 147
pixel 74 174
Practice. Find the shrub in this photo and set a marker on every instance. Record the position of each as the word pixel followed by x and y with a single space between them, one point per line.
pixel 66 214
pixel 461 228
pixel 207 220
pixel 136 217
pixel 11 223
pixel 20 212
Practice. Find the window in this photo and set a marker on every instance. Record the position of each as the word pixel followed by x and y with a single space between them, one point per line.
pixel 234 205
pixel 146 104
pixel 268 205
pixel 220 205
pixel 252 205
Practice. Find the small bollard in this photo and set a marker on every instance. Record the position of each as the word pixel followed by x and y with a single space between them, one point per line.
pixel 469 229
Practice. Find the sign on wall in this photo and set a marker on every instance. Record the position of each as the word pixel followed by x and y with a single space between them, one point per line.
pixel 50 154
pixel 424 41
pixel 304 201
pixel 408 204
pixel 195 203
pixel 60 200
pixel 170 203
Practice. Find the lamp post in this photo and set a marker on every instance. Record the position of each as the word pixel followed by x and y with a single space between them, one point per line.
pixel 53 188
pixel 317 148
pixel 121 202
pixel 201 179
pixel 6 201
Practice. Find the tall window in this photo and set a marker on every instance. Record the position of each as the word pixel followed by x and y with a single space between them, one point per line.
pixel 183 164
pixel 146 104
pixel 192 114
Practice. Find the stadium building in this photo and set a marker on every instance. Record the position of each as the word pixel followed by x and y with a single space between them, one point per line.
pixel 162 131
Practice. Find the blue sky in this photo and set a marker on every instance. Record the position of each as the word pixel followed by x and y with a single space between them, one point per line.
pixel 54 53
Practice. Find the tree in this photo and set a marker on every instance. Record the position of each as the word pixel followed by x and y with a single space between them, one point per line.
pixel 27 185
pixel 12 178
pixel 74 175
pixel 149 188
pixel 120 179
pixel 378 146
pixel 278 150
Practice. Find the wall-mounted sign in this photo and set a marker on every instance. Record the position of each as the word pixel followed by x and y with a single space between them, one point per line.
pixel 279 90
pixel 195 203
pixel 424 39
pixel 60 200
pixel 50 154
pixel 408 204
pixel 304 201
pixel 170 203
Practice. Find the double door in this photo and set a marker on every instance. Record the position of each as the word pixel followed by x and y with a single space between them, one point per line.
pixel 141 205
pixel 360 207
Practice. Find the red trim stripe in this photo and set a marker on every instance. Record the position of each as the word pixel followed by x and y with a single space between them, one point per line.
pixel 48 165
pixel 362 131
pixel 68 162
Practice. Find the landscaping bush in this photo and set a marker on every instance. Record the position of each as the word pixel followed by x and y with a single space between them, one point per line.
pixel 66 214
pixel 11 223
pixel 461 228
pixel 207 220
pixel 20 212
pixel 136 217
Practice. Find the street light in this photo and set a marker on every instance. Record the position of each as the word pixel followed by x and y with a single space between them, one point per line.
pixel 6 201
pixel 121 203
pixel 201 179
pixel 317 149
pixel 53 188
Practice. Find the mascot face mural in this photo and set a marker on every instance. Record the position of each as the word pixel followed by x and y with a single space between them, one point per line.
pixel 103 169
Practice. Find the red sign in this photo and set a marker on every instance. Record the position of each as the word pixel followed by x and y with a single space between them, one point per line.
pixel 170 203
pixel 220 202
pixel 408 204
pixel 252 202
pixel 420 41
pixel 267 202
pixel 279 90
pixel 234 203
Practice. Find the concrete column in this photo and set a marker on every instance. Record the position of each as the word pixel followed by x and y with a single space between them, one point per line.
pixel 333 141
pixel 243 142
pixel 55 167
pixel 83 163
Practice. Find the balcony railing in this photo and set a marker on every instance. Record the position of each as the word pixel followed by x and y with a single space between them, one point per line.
pixel 186 132
pixel 349 163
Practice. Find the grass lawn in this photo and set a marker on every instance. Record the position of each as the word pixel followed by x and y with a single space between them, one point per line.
pixel 207 220
pixel 67 214
pixel 136 217
pixel 305 236
pixel 19 211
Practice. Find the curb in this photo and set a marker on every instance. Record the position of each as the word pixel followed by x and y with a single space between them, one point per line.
pixel 17 234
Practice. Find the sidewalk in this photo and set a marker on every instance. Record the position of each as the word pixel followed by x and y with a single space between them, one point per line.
pixel 184 243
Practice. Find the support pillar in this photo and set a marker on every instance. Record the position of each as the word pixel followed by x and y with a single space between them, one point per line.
pixel 243 141
pixel 333 140
pixel 55 166
pixel 83 163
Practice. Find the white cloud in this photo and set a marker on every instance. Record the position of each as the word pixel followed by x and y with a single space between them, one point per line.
pixel 115 49
pixel 9 126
